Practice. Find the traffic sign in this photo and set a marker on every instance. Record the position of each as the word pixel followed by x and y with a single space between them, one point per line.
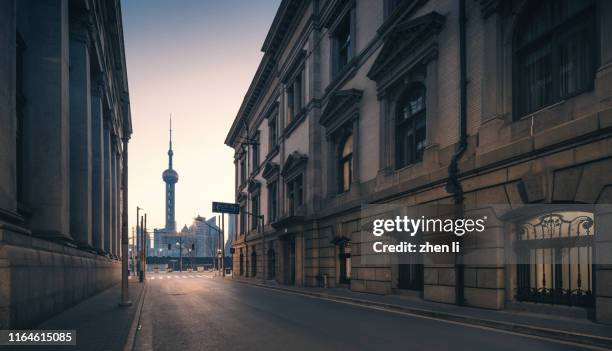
pixel 225 207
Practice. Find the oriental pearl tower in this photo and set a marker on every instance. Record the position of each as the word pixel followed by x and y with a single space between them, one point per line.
pixel 170 177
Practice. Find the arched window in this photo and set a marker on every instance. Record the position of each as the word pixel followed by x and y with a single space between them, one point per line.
pixel 410 126
pixel 555 51
pixel 253 264
pixel 345 164
pixel 555 259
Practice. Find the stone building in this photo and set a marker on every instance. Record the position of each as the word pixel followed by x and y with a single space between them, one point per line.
pixel 65 117
pixel 427 102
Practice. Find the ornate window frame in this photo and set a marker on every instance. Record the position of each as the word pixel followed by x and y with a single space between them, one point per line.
pixel 340 117
pixel 271 174
pixel 584 17
pixel 294 167
pixel 409 55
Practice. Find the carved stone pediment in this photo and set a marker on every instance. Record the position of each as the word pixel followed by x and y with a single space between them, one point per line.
pixel 294 162
pixel 341 107
pixel 405 43
pixel 253 185
pixel 241 196
pixel 270 170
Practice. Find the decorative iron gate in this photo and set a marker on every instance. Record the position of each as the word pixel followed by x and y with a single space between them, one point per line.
pixel 555 259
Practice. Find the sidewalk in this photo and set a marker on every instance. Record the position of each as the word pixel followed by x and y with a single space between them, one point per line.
pixel 576 330
pixel 100 324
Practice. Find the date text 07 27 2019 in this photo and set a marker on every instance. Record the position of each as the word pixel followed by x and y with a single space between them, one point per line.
pixel 37 337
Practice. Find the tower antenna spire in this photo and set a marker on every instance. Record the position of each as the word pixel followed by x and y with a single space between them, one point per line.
pixel 170 152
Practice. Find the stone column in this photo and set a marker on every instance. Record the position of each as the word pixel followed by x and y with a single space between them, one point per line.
pixel 124 225
pixel 113 194
pixel 108 227
pixel 97 149
pixel 47 118
pixel 8 172
pixel 80 136
pixel 118 199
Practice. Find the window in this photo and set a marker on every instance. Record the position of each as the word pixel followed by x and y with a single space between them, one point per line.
pixel 345 164
pixel 410 126
pixel 255 211
pixel 19 115
pixel 555 259
pixel 273 128
pixel 295 96
pixel 272 201
pixel 555 53
pixel 255 153
pixel 342 44
pixel 242 169
pixel 295 193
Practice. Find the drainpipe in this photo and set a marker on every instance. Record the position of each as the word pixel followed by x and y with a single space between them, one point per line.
pixel 454 185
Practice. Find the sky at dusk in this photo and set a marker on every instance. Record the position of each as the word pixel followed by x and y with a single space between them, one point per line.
pixel 194 59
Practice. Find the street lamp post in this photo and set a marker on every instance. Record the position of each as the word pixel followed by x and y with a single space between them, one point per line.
pixel 139 243
pixel 180 245
pixel 132 259
pixel 219 268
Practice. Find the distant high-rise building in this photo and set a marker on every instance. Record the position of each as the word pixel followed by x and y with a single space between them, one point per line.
pixel 170 177
pixel 230 233
pixel 165 239
pixel 206 234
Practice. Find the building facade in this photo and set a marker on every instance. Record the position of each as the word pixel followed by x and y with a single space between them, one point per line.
pixel 466 102
pixel 65 116
pixel 206 233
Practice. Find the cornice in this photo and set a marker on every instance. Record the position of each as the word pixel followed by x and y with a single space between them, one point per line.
pixel 341 106
pixel 405 41
pixel 271 169
pixel 293 162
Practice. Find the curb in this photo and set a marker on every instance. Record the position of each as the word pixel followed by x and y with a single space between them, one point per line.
pixel 131 339
pixel 567 336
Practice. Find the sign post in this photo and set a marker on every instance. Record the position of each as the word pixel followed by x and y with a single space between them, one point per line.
pixel 223 208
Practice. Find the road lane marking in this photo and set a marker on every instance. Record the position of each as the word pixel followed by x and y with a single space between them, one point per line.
pixel 411 314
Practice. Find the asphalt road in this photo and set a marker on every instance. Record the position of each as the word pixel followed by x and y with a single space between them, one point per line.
pixel 196 311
